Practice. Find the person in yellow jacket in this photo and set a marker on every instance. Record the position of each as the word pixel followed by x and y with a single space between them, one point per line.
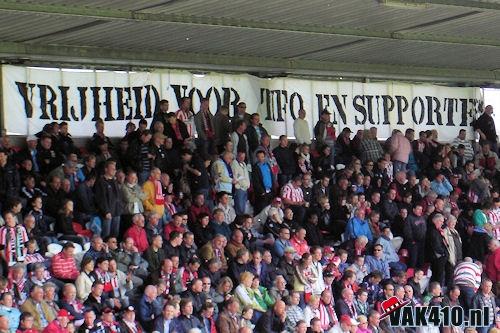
pixel 154 201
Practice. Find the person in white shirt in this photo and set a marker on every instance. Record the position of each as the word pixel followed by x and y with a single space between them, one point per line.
pixel 301 129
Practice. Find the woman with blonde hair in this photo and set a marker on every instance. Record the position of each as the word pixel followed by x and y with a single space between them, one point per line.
pixel 245 295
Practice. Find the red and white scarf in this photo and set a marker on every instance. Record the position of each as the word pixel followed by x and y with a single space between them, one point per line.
pixel 159 198
pixel 327 316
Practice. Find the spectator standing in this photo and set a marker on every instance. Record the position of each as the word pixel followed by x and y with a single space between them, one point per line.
pixel 301 129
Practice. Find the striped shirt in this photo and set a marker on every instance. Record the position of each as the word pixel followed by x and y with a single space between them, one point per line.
pixel 291 193
pixel 467 274
pixel 188 119
pixel 494 218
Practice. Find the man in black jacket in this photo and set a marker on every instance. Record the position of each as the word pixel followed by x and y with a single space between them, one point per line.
pixel 286 161
pixel 48 158
pixel 108 198
pixel 273 321
pixel 255 131
pixel 10 185
pixel 414 232
pixel 438 251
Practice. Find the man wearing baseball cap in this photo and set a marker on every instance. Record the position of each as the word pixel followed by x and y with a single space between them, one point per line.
pixel 59 324
pixel 128 324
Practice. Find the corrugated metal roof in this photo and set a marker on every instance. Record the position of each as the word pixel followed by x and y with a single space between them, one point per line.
pixel 362 16
pixel 415 54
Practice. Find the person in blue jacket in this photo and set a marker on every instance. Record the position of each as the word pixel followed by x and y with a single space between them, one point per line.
pixel 358 226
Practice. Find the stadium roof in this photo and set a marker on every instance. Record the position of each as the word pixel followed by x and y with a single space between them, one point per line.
pixel 437 40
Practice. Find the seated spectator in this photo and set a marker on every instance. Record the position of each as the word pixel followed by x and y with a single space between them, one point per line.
pixel 358 226
pixel 38 308
pixel 70 303
pixel 202 231
pixel 64 264
pixel 218 224
pixel 390 254
pixel 155 255
pixel 235 244
pixel 128 322
pixel 441 185
pixel 377 262
pixel 8 310
pixel 299 242
pixel 137 233
pixel 227 208
pixel 187 320
pixel 85 280
pixel 174 225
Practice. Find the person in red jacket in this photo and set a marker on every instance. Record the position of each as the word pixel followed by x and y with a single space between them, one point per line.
pixel 59 324
pixel 174 225
pixel 492 261
pixel 138 233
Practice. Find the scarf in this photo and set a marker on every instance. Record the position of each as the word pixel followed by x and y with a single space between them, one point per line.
pixel 207 125
pixel 327 316
pixel 443 236
pixel 13 238
pixel 105 278
pixel 159 198
pixel 229 169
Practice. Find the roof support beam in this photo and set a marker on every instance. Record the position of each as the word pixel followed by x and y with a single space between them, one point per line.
pixel 60 55
pixel 114 14
pixel 474 4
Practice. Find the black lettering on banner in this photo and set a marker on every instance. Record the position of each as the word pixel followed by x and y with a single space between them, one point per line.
pixel 83 104
pixel 120 104
pixel 208 95
pixel 449 107
pixel 64 103
pixel 413 110
pixel 463 102
pixel 369 104
pixel 226 100
pixel 360 108
pixel 292 105
pixel 177 91
pixel 138 102
pixel 433 107
pixel 22 87
pixel 403 104
pixel 474 108
pixel 388 106
pixel 150 110
pixel 107 103
pixel 97 103
pixel 265 97
pixel 50 102
pixel 340 106
pixel 322 106
pixel 280 104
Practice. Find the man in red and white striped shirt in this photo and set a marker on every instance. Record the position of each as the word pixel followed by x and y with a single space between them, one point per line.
pixel 64 265
pixel 293 197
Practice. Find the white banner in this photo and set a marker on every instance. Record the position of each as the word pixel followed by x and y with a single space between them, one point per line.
pixel 33 97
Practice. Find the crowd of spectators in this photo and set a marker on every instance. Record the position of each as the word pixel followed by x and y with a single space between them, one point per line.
pixel 192 222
